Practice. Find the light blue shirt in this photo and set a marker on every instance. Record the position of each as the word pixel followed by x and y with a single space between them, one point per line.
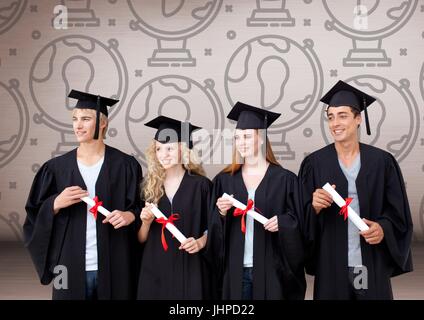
pixel 353 236
pixel 248 237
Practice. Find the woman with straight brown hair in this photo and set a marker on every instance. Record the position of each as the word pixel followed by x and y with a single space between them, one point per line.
pixel 256 261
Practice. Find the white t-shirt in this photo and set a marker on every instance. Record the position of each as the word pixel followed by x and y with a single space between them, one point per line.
pixel 90 175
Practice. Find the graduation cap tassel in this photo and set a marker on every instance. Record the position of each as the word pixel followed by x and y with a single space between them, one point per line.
pixel 265 132
pixel 367 122
pixel 96 132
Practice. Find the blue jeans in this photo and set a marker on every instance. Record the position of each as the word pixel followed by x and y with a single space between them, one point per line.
pixel 91 285
pixel 247 291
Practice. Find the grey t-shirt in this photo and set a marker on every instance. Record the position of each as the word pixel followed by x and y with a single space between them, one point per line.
pixel 354 241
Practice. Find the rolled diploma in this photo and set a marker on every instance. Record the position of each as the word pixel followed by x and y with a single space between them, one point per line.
pixel 351 214
pixel 91 203
pixel 173 229
pixel 252 213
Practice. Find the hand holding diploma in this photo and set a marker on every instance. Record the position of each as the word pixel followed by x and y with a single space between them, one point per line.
pixel 167 223
pixel 146 215
pixel 321 199
pixel 116 218
pixel 224 204
pixel 375 233
pixel 192 245
pixel 345 208
pixel 243 210
pixel 68 197
pixel 96 206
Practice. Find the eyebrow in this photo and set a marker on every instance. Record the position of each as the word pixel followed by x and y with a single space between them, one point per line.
pixel 341 112
pixel 85 116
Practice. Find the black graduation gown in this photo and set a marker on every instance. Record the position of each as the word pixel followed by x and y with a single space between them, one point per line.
pixel 175 274
pixel 382 198
pixel 278 266
pixel 60 239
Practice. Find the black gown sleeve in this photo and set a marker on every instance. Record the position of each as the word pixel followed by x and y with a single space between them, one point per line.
pixel 290 237
pixel 206 203
pixel 290 226
pixel 214 252
pixel 311 221
pixel 396 218
pixel 39 223
pixel 133 197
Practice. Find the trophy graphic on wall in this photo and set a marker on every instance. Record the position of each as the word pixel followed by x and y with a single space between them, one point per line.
pixel 80 14
pixel 270 13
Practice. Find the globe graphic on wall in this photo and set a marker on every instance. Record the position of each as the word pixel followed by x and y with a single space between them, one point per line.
pixel 367 22
pixel 171 22
pixel 15 124
pixel 10 12
pixel 75 62
pixel 173 96
pixel 266 72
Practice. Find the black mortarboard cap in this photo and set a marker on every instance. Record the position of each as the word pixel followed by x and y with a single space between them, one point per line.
pixel 172 130
pixel 249 117
pixel 343 94
pixel 94 102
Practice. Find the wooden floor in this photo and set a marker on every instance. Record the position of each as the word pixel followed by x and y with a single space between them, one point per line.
pixel 18 279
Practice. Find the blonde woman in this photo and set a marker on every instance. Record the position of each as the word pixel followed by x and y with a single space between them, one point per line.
pixel 62 231
pixel 176 184
pixel 256 261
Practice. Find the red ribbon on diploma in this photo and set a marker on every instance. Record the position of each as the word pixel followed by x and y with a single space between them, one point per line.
pixel 343 211
pixel 94 209
pixel 164 222
pixel 242 213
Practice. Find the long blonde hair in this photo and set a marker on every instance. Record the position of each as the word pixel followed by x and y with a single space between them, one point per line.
pixel 237 159
pixel 152 187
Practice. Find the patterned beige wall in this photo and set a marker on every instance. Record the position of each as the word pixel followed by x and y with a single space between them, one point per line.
pixel 193 59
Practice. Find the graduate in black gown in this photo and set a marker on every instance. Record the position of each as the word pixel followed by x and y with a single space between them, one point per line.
pixel 256 261
pixel 347 263
pixel 176 184
pixel 88 257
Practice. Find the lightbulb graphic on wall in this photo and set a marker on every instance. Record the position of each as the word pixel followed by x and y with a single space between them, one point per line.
pixel 273 74
pixel 77 72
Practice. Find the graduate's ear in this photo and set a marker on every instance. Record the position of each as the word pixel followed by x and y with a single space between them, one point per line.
pixel 104 122
pixel 358 119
